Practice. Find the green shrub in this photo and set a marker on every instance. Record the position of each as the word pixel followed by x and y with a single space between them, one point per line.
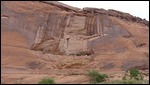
pixel 134 73
pixel 46 81
pixel 96 77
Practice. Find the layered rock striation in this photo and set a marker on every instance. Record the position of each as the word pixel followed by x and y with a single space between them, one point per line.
pixel 53 27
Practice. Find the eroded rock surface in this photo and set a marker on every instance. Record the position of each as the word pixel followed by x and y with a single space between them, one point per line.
pixel 42 37
pixel 52 29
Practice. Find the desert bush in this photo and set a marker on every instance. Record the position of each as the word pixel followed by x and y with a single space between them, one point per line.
pixel 46 81
pixel 96 77
pixel 133 74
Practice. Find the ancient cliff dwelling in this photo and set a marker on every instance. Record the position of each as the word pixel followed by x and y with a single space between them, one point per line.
pixel 51 36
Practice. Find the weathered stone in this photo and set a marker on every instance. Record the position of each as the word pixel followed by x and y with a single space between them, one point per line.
pixel 56 28
pixel 108 66
pixel 51 38
pixel 135 64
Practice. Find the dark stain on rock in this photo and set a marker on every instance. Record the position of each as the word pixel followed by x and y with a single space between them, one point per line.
pixel 108 66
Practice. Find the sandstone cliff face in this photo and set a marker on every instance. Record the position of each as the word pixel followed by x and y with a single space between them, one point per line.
pixel 51 39
pixel 54 28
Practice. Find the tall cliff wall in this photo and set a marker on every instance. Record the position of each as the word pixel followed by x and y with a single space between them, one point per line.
pixel 56 28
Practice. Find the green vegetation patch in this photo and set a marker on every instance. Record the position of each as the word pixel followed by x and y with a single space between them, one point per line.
pixel 46 81
pixel 96 77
